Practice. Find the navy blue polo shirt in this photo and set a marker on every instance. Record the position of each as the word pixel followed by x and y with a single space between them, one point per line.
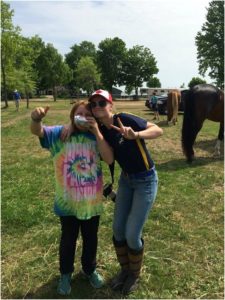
pixel 132 155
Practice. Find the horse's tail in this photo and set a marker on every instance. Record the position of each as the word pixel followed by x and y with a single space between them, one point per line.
pixel 189 125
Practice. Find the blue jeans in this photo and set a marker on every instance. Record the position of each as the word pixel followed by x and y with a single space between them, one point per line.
pixel 134 201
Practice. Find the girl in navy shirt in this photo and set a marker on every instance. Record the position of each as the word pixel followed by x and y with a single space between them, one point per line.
pixel 137 187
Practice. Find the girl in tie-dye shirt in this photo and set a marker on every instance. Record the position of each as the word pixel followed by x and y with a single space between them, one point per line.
pixel 78 186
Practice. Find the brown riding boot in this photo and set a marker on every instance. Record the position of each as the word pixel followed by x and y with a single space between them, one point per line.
pixel 122 257
pixel 135 263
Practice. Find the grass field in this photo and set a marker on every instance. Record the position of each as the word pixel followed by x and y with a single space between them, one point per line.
pixel 184 235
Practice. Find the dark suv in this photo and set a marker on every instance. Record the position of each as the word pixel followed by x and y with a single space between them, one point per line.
pixel 162 103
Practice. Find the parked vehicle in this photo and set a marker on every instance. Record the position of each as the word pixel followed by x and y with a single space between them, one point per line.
pixel 162 103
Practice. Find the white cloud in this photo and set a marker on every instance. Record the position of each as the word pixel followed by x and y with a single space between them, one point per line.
pixel 167 27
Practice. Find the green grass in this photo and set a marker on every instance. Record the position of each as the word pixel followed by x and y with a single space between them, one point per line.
pixel 183 235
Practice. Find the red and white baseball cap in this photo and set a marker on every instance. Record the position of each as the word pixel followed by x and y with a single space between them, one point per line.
pixel 105 94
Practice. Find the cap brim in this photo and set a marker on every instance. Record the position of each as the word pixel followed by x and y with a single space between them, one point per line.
pixel 98 95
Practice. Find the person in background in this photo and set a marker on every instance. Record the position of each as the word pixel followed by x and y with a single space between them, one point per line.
pixel 137 186
pixel 155 107
pixel 17 98
pixel 79 187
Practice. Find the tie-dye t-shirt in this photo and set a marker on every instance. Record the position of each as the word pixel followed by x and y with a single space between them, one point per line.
pixel 78 175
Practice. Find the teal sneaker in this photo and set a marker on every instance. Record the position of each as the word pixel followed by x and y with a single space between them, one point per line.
pixel 96 280
pixel 64 287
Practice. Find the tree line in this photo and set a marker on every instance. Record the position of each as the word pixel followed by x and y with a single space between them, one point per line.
pixel 31 66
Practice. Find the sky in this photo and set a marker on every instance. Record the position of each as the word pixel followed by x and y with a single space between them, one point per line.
pixel 167 27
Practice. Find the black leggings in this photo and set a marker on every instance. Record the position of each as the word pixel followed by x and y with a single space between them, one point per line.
pixel 70 227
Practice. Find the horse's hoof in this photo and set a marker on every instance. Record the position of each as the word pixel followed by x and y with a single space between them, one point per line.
pixel 216 154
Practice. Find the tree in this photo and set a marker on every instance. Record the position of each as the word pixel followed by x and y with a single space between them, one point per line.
pixel 128 89
pixel 52 70
pixel 210 43
pixel 110 57
pixel 195 80
pixel 138 67
pixel 153 82
pixel 87 75
pixel 20 79
pixel 88 49
pixel 72 58
pixel 9 37
pixel 36 46
pixel 85 48
pixel 18 57
pixel 24 76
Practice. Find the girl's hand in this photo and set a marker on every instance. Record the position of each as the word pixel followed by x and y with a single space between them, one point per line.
pixel 127 132
pixel 39 113
pixel 93 125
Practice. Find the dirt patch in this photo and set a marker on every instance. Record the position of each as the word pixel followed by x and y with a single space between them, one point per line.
pixel 15 120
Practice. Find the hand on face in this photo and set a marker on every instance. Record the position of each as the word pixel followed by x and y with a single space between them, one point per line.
pixel 93 125
pixel 127 132
pixel 85 121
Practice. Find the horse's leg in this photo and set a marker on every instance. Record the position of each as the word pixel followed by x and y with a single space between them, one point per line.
pixel 175 118
pixel 173 121
pixel 168 115
pixel 178 103
pixel 219 140
pixel 190 151
pixel 217 148
pixel 169 109
pixel 175 109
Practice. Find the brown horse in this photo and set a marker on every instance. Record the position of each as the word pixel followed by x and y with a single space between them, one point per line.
pixel 174 98
pixel 203 101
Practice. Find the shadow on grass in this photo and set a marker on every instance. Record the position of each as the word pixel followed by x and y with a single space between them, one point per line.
pixel 181 164
pixel 208 145
pixel 162 123
pixel 81 289
pixel 147 112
